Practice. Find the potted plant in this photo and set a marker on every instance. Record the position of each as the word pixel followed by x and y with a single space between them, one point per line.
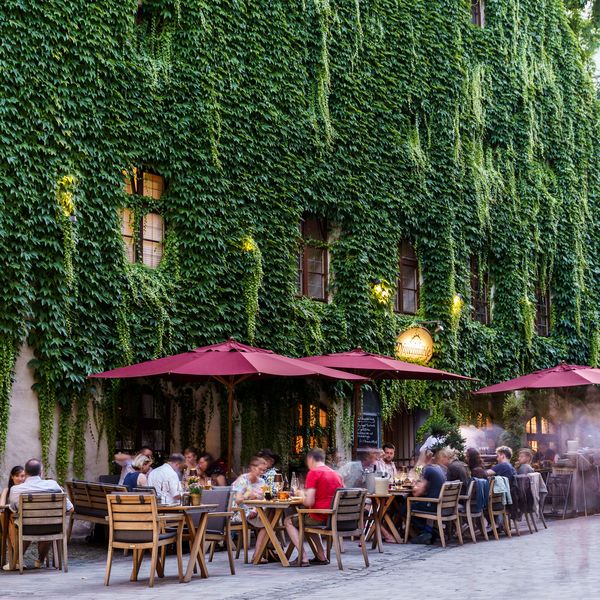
pixel 195 489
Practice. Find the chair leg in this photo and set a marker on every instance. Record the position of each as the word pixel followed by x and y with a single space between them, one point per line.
pixel 109 558
pixel 338 551
pixel 528 520
pixel 300 537
pixel 458 530
pixel 507 524
pixel 212 551
pixel 153 565
pixel 517 528
pixel 363 547
pixel 229 551
pixel 135 565
pixel 442 535
pixel 492 519
pixel 20 553
pixel 483 528
pixel 328 549
pixel 471 527
pixel 179 546
pixel 246 535
pixel 71 521
pixel 532 517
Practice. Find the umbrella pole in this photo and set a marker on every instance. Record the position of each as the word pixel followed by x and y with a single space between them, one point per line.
pixel 357 394
pixel 230 429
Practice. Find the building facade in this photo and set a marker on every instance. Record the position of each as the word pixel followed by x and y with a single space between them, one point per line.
pixel 305 176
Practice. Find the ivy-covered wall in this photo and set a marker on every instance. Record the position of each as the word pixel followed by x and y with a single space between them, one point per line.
pixel 391 118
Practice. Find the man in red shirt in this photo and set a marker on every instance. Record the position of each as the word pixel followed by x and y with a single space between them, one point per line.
pixel 320 487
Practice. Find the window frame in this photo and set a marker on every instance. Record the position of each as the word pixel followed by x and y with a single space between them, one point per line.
pixel 303 271
pixel 410 262
pixel 543 299
pixel 480 293
pixel 478 13
pixel 307 430
pixel 135 186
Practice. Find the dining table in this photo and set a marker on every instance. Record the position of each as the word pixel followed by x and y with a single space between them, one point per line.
pixel 270 513
pixel 196 533
pixel 380 515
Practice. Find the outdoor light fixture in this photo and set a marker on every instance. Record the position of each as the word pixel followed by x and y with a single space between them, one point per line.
pixel 381 290
pixel 457 304
pixel 439 327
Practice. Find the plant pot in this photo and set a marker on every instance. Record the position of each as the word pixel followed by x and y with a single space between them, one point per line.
pixel 196 499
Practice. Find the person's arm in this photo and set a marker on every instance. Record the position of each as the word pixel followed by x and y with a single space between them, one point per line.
pixel 309 497
pixel 220 479
pixel 142 480
pixel 4 496
pixel 122 459
pixel 174 487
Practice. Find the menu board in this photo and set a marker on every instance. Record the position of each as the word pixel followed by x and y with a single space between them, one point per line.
pixel 369 431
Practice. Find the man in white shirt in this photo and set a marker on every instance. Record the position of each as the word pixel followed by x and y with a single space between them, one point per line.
pixel 386 464
pixel 34 483
pixel 165 479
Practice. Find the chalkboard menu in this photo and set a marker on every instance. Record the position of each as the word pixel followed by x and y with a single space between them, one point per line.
pixel 369 431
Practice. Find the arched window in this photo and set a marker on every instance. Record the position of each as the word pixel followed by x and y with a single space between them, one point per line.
pixel 407 292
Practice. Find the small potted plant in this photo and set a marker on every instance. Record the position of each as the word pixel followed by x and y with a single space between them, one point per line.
pixel 195 488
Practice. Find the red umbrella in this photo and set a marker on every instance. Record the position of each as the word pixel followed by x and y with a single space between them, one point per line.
pixel 376 366
pixel 228 363
pixel 563 375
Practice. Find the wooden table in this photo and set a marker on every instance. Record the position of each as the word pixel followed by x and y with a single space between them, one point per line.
pixel 270 512
pixel 381 505
pixel 196 534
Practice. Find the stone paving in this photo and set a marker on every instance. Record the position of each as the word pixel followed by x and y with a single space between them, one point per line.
pixel 560 562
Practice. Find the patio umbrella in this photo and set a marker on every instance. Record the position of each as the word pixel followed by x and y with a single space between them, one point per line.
pixel 229 363
pixel 563 375
pixel 377 366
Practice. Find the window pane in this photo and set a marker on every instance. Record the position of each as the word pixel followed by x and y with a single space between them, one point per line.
pixel 153 252
pixel 316 286
pixel 300 282
pixel 409 278
pixel 409 302
pixel 153 227
pixel 153 185
pixel 315 260
pixel 127 233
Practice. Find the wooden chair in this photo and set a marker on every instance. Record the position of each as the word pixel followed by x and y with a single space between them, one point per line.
pixel 219 521
pixel 467 510
pixel 135 524
pixel 42 517
pixel 243 530
pixel 496 508
pixel 345 519
pixel 89 501
pixel 446 511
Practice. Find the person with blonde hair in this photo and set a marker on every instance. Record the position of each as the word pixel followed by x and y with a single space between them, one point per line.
pixel 524 458
pixel 456 470
pixel 139 476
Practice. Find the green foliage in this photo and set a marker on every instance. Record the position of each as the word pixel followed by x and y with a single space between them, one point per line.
pixel 391 118
pixel 513 416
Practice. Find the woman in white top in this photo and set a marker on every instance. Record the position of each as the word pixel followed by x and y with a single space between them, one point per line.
pixel 17 476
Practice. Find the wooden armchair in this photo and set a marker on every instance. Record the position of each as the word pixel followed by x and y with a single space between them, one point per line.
pixel 446 511
pixel 497 508
pixel 42 517
pixel 135 524
pixel 467 510
pixel 345 519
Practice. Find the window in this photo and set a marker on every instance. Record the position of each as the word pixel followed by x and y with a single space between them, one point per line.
pixel 144 243
pixel 542 312
pixel 312 261
pixel 478 12
pixel 480 301
pixel 312 432
pixel 407 293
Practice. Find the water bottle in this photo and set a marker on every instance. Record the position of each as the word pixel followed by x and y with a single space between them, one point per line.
pixel 294 486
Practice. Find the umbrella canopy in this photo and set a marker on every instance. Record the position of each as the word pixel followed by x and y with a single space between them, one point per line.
pixel 563 375
pixel 229 363
pixel 377 366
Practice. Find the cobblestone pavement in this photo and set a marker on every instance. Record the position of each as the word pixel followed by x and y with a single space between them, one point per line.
pixel 562 562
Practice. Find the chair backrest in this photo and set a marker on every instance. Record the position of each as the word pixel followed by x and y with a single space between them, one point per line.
pixel 132 518
pixel 222 497
pixel 78 493
pixel 42 514
pixel 449 494
pixel 109 479
pixel 349 506
pixel 495 499
pixel 145 489
pixel 90 495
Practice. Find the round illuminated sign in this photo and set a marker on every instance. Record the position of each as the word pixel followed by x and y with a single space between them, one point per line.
pixel 414 344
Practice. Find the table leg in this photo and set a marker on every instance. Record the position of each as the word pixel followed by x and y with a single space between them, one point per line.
pixel 197 550
pixel 377 541
pixel 270 525
pixel 389 521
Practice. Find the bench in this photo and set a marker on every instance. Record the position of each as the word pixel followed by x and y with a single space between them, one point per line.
pixel 89 501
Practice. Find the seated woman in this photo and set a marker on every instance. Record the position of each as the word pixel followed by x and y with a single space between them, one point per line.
pixel 475 464
pixel 524 462
pixel 16 476
pixel 141 465
pixel 209 469
pixel 249 486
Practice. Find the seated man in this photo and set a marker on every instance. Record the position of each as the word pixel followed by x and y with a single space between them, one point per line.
pixel 456 470
pixel 353 473
pixel 386 462
pixel 165 479
pixel 321 484
pixel 34 483
pixel 429 485
pixel 524 459
pixel 503 468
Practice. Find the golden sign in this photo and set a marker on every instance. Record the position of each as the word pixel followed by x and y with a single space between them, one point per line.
pixel 415 344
